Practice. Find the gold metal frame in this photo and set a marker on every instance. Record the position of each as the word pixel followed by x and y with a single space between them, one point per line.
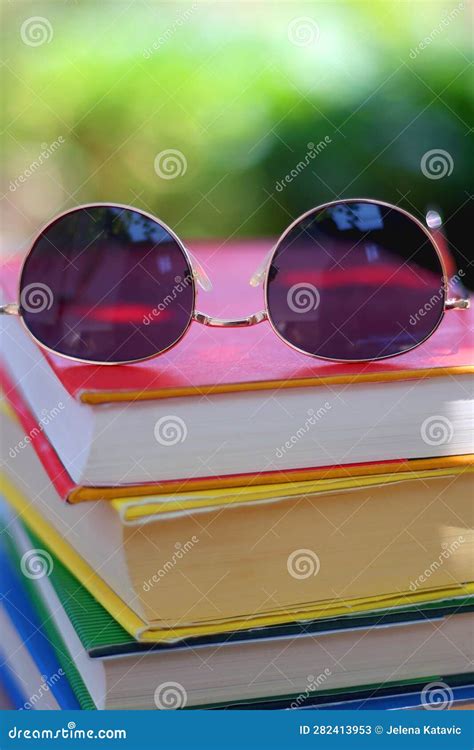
pixel 448 304
pixel 199 276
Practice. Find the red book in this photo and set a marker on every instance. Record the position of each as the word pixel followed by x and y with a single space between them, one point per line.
pixel 237 405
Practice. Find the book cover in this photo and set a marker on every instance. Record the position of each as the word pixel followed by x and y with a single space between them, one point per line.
pixel 27 621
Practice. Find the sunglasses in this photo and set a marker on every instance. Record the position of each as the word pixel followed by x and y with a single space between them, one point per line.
pixel 350 281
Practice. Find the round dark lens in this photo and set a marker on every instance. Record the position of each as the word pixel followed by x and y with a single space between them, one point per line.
pixel 355 281
pixel 107 284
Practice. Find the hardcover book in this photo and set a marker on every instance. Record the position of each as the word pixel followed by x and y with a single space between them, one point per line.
pixel 266 667
pixel 258 564
pixel 233 407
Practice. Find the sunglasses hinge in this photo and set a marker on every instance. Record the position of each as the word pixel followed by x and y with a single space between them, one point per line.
pixel 10 309
pixel 457 304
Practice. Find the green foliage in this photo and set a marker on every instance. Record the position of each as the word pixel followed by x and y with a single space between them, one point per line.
pixel 227 86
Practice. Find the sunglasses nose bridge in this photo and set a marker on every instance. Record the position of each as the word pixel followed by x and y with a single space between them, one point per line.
pixel 251 320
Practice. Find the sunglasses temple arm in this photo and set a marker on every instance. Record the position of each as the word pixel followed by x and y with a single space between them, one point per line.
pixel 458 295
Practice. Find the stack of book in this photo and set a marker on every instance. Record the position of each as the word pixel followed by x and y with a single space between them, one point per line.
pixel 233 524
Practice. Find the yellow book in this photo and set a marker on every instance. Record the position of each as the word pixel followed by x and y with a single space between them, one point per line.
pixel 323 551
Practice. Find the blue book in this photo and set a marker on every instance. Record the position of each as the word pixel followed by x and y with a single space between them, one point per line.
pixel 29 669
pixel 446 695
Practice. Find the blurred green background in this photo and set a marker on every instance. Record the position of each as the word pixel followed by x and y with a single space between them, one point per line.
pixel 238 89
